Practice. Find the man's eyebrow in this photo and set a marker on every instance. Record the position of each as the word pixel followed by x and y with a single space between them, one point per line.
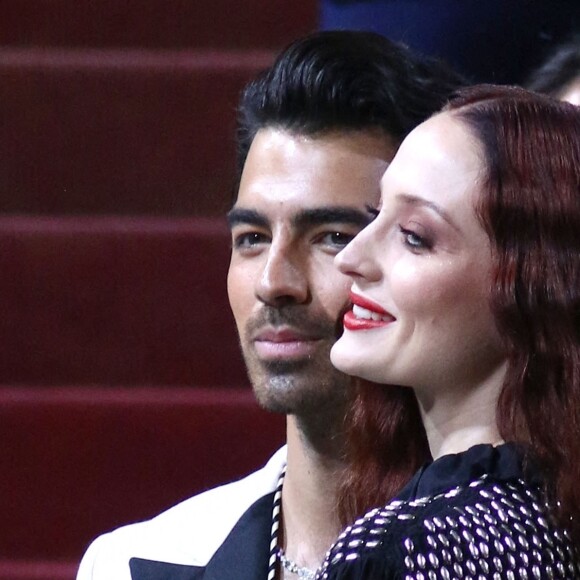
pixel 334 214
pixel 239 215
pixel 304 218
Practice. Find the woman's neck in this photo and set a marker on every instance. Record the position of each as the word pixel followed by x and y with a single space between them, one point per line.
pixel 456 419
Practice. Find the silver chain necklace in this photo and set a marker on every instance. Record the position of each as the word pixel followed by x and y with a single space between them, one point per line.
pixel 276 552
pixel 302 572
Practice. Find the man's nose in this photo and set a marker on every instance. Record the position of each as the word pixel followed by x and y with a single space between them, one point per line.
pixel 284 279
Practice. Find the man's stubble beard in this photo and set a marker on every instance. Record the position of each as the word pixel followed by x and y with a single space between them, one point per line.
pixel 311 389
pixel 317 399
pixel 305 388
pixel 301 388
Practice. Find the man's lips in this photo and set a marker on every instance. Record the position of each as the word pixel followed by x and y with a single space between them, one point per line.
pixel 281 335
pixel 366 314
pixel 285 343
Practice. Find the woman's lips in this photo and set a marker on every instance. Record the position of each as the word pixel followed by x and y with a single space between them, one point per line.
pixel 365 314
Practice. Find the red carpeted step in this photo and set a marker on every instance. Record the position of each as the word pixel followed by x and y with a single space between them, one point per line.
pixel 155 23
pixel 116 301
pixel 80 461
pixel 131 132
pixel 34 569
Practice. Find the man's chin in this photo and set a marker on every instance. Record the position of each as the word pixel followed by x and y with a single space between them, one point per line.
pixel 278 407
pixel 284 393
pixel 279 375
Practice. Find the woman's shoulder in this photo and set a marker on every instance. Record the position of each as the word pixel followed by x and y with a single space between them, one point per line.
pixel 481 528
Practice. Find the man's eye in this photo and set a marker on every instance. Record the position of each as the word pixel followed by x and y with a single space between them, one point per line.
pixel 373 211
pixel 249 240
pixel 337 239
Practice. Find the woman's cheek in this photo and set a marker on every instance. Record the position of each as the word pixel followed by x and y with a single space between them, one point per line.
pixel 419 284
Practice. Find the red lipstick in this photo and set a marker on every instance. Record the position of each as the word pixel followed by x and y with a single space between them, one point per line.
pixel 368 304
pixel 353 322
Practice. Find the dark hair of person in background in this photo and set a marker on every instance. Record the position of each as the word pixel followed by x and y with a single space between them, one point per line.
pixel 530 208
pixel 559 71
pixel 352 81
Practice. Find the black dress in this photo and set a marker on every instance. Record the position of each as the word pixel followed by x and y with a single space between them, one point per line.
pixel 474 515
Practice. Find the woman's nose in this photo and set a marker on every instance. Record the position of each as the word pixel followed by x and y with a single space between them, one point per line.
pixel 357 258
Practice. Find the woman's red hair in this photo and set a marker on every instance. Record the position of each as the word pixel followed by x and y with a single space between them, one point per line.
pixel 386 444
pixel 530 208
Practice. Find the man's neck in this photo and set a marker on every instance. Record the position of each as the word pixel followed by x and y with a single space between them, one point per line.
pixel 309 498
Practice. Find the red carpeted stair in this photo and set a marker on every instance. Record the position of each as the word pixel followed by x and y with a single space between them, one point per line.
pixel 122 390
pixel 116 301
pixel 81 460
pixel 120 131
pixel 156 24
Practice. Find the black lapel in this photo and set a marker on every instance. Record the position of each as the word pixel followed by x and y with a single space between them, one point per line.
pixel 151 570
pixel 244 554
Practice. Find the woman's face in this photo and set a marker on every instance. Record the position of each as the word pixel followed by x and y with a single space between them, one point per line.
pixel 421 270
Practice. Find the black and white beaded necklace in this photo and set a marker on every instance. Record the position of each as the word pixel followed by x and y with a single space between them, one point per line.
pixel 276 551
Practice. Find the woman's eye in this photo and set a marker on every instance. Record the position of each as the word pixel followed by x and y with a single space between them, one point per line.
pixel 414 241
pixel 249 240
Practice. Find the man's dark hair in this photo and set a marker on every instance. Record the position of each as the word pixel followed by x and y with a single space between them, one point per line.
pixel 344 80
pixel 559 70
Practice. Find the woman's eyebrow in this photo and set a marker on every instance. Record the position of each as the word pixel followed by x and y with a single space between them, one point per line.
pixel 416 200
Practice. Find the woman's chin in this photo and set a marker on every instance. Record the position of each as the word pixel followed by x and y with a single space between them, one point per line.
pixel 347 359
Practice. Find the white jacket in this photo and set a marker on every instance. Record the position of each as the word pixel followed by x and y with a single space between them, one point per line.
pixel 219 534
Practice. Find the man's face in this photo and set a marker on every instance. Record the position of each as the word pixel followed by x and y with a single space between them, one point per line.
pixel 301 200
